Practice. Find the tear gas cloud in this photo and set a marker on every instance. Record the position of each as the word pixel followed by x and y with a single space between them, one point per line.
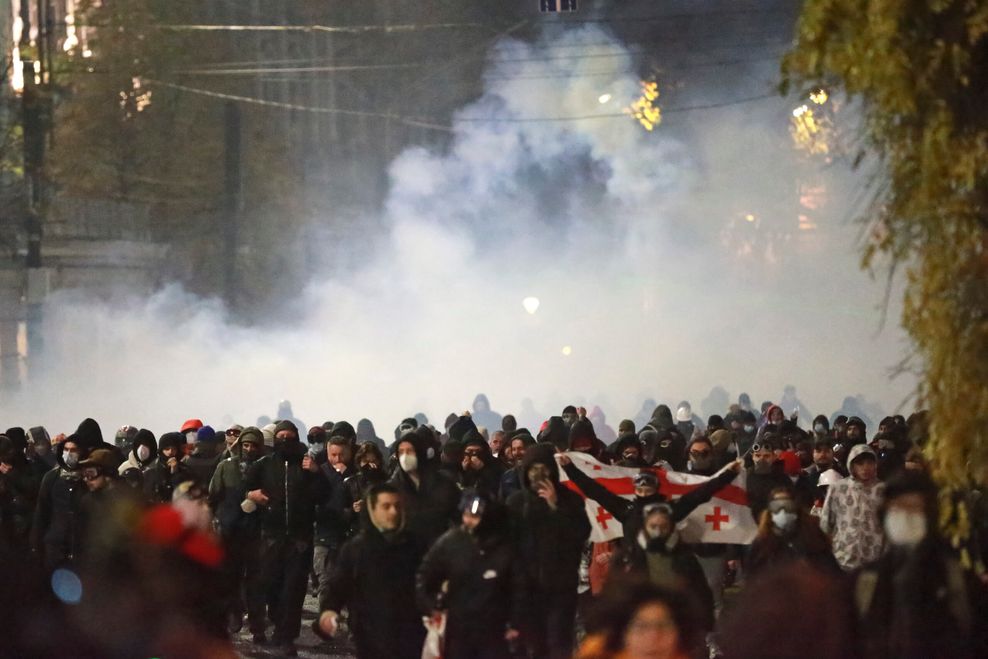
pixel 633 243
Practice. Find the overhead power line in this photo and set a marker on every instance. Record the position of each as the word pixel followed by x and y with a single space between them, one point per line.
pixel 422 122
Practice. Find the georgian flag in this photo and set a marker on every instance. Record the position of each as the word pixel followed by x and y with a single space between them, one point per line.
pixel 725 518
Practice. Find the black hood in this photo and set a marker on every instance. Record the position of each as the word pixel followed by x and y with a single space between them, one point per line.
pixel 89 434
pixel 463 425
pixel 556 433
pixel 39 435
pixel 342 429
pixel 540 453
pixel 17 437
pixel 171 439
pixel 83 451
pixel 366 431
pixel 623 442
pixel 662 418
pixel 145 437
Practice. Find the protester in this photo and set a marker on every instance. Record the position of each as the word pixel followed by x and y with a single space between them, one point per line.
pixel 637 619
pixel 430 497
pixel 550 528
pixel 374 580
pixel 787 534
pixel 850 511
pixel 56 532
pixel 472 573
pixel 286 492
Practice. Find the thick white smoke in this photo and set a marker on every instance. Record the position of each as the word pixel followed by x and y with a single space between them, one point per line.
pixel 630 240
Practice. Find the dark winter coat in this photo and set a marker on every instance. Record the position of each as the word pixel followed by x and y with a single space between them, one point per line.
pixel 809 545
pixel 680 570
pixel 227 492
pixel 332 511
pixel 550 540
pixel 431 507
pixel 202 463
pixel 486 586
pixel 292 492
pixel 57 528
pixel 374 578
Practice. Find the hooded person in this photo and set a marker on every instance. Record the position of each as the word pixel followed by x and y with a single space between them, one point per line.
pixel 646 484
pixel 550 527
pixel 430 496
pixel 19 486
pixel 666 446
pixel 916 600
pixel 56 533
pixel 850 511
pixel 457 430
pixel 482 413
pixel 658 553
pixel 661 419
pixel 286 487
pixel 583 439
pixel 239 530
pixel 143 452
pixel 168 471
pixel 39 448
pixel 600 427
pixel 206 454
pixel 515 448
pixel 787 533
pixel 628 452
pixel 856 432
pixel 556 433
pixel 481 471
pixel 345 430
pixel 374 580
pixel 125 437
pixel 472 573
pixel 366 433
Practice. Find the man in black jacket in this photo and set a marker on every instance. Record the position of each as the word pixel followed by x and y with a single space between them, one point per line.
pixel 374 579
pixel 430 497
pixel 162 477
pixel 486 583
pixel 550 528
pixel 286 489
pixel 57 528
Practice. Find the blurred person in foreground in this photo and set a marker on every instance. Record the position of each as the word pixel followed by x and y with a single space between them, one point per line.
pixel 916 602
pixel 636 619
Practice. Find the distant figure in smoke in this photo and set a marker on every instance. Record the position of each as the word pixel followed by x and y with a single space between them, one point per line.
pixel 645 413
pixel 366 433
pixel 716 402
pixel 791 404
pixel 686 422
pixel 744 402
pixel 604 432
pixel 529 417
pixel 285 414
pixel 482 414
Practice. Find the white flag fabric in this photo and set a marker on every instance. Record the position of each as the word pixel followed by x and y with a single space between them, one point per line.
pixel 725 518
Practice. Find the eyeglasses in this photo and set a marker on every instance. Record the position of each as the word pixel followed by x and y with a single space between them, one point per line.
pixel 91 476
pixel 233 432
pixel 699 454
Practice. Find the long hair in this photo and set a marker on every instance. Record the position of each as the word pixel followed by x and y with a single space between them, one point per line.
pixel 808 532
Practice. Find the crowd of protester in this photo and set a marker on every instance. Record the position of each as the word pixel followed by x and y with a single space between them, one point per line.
pixel 167 545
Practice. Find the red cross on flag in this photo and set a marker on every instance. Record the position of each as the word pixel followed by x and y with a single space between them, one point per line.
pixel 725 518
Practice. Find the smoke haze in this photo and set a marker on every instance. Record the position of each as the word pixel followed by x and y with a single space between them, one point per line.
pixel 635 244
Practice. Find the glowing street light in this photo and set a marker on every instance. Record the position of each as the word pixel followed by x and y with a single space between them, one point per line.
pixel 531 304
pixel 749 217
pixel 567 351
pixel 603 98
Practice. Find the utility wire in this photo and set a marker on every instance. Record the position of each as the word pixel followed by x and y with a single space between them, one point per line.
pixel 427 123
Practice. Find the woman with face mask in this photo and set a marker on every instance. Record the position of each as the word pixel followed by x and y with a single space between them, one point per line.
pixel 143 452
pixel 787 533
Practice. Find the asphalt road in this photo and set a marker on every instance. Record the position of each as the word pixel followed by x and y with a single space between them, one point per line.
pixel 308 644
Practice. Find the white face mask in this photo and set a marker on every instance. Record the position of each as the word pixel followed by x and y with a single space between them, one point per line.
pixel 190 437
pixel 408 461
pixel 820 428
pixel 143 452
pixel 783 519
pixel 749 429
pixel 904 528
